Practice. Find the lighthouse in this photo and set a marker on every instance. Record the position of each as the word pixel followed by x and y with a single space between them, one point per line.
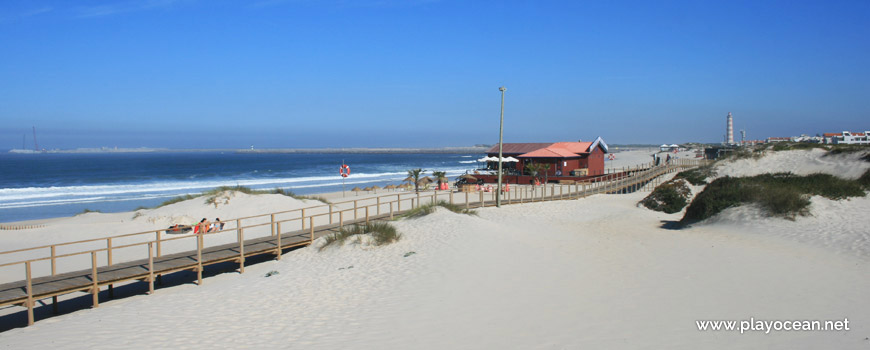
pixel 730 128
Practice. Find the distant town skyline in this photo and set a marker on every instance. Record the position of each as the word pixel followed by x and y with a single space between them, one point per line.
pixel 426 73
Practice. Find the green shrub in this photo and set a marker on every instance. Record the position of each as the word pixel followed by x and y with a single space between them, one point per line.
pixel 864 180
pixel 669 197
pixel 781 194
pixel 785 202
pixel 697 176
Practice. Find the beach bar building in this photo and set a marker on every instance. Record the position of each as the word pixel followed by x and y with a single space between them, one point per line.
pixel 565 158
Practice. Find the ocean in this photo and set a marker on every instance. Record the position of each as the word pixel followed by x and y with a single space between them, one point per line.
pixel 47 185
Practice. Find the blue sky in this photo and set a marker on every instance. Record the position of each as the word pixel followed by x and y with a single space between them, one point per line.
pixel 385 73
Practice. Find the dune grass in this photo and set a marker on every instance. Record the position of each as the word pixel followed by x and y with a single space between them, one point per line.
pixel 175 200
pixel 782 194
pixel 427 209
pixel 88 211
pixel 381 232
pixel 211 195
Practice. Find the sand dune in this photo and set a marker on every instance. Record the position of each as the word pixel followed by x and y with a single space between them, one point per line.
pixel 800 162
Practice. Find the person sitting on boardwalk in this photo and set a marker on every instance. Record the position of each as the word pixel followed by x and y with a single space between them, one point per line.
pixel 216 226
pixel 203 226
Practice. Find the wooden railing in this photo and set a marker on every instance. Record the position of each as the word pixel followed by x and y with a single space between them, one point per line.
pixel 276 224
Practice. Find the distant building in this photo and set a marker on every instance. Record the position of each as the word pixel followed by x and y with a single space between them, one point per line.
pixel 807 138
pixel 848 138
pixel 586 158
pixel 669 148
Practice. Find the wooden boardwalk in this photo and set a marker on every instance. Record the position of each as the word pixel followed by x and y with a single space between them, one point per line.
pixel 26 292
pixel 83 280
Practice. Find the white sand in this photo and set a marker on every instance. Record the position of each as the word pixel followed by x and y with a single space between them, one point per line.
pixel 592 273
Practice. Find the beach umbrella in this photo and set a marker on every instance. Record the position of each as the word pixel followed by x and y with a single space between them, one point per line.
pixel 408 179
pixel 367 189
pixel 467 177
pixel 484 159
pixel 389 187
pixel 425 180
pixel 356 189
pixel 375 188
pixel 510 159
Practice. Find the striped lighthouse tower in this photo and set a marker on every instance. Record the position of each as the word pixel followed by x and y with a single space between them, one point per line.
pixel 730 140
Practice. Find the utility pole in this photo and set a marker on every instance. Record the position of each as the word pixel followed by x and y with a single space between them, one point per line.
pixel 500 132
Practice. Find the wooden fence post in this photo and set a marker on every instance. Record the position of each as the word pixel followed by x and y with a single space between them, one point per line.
pixel 378 208
pixel 150 268
pixel 303 218
pixel 330 214
pixel 355 209
pixel 451 196
pixel 279 249
pixel 367 215
pixel 95 289
pixel 199 243
pixel 109 263
pixel 272 226
pixel 311 224
pixel 54 272
pixel 391 210
pixel 109 251
pixel 29 293
pixel 481 198
pixel 159 239
pixel 340 219
pixel 241 250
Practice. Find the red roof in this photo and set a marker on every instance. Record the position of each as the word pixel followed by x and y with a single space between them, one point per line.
pixel 829 134
pixel 521 148
pixel 574 147
pixel 550 152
